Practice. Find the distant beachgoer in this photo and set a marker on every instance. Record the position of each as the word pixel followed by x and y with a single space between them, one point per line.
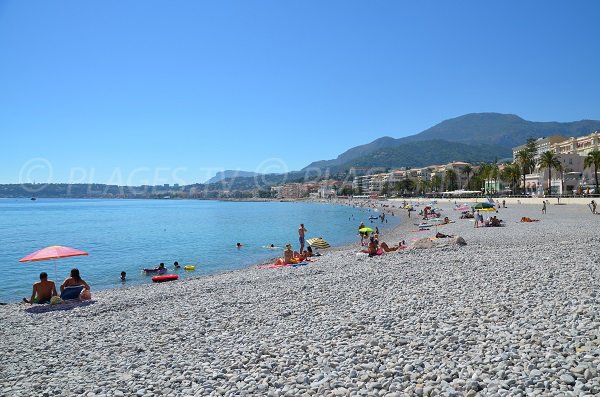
pixel 377 231
pixel 309 251
pixel 75 280
pixel 476 219
pixel 176 265
pixel 301 231
pixel 161 268
pixel 544 208
pixel 239 245
pixel 593 204
pixel 361 226
pixel 123 276
pixel 503 203
pixel 42 291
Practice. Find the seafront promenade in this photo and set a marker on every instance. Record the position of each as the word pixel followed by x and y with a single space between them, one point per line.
pixel 514 312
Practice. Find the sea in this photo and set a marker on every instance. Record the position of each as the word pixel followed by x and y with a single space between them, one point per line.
pixel 129 235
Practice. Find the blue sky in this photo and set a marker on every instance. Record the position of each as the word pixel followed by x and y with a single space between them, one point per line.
pixel 171 91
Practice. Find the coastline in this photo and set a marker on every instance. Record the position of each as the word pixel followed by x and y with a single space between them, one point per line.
pixel 498 316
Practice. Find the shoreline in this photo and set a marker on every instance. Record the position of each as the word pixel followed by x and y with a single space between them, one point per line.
pixel 119 286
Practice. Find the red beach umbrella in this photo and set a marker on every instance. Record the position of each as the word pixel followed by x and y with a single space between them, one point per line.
pixel 52 253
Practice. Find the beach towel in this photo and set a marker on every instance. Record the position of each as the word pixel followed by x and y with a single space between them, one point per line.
pixel 70 305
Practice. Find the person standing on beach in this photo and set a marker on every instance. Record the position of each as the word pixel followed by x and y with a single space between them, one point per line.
pixel 593 204
pixel 43 290
pixel 544 207
pixel 301 231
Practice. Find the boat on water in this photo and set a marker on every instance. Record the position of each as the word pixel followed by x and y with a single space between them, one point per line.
pixel 33 199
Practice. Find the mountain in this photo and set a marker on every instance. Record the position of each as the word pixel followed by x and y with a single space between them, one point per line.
pixel 355 152
pixel 221 175
pixel 498 133
pixel 430 152
pixel 506 130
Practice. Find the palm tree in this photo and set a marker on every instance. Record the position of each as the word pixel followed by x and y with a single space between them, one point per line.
pixel 424 185
pixel 593 159
pixel 485 171
pixel 450 179
pixel 512 173
pixel 494 174
pixel 467 169
pixel 549 160
pixel 525 158
pixel 436 182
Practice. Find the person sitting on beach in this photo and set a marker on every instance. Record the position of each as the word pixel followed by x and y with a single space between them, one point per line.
pixel 75 280
pixel 495 222
pixel 288 254
pixel 373 247
pixel 123 277
pixel 309 252
pixel 42 291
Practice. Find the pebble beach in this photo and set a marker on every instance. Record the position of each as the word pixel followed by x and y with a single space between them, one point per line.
pixel 515 312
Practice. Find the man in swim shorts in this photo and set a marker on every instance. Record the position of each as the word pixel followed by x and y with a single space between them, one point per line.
pixel 301 231
pixel 43 290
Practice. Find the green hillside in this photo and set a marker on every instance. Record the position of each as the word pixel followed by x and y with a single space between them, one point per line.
pixel 424 153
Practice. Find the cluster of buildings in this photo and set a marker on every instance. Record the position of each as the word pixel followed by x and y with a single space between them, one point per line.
pixel 574 177
pixel 571 152
pixel 373 184
pixel 322 189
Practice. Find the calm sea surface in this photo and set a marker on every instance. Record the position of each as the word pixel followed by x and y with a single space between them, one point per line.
pixel 128 235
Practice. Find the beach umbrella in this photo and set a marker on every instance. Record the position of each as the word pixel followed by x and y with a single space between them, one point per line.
pixel 318 243
pixel 52 253
pixel 481 206
pixel 365 230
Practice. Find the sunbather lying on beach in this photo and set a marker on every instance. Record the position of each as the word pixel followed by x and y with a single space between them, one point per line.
pixel 387 248
pixel 43 290
pixel 526 219
pixel 442 235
